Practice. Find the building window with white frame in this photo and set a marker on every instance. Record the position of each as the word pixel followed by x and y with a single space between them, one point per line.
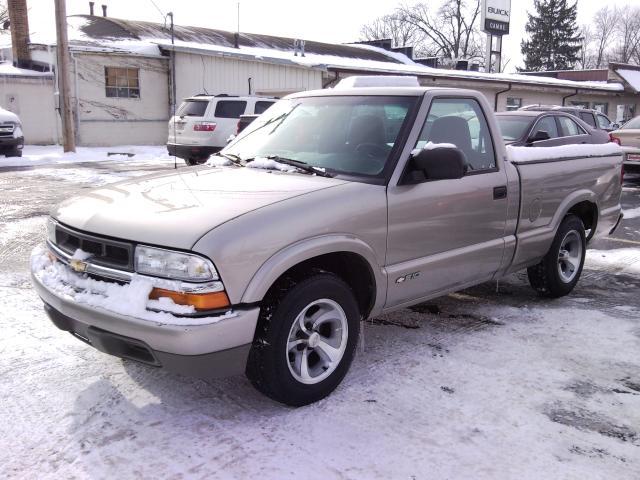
pixel 513 103
pixel 122 82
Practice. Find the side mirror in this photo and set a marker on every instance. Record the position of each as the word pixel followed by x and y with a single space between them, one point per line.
pixel 614 126
pixel 441 163
pixel 539 136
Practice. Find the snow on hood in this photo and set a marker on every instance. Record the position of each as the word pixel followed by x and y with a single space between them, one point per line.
pixel 176 209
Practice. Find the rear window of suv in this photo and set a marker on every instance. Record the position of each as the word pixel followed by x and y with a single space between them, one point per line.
pixel 261 107
pixel 193 108
pixel 230 108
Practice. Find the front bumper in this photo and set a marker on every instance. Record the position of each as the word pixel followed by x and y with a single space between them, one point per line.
pixel 206 349
pixel 11 142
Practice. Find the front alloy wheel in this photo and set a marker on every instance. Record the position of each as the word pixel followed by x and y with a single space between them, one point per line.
pixel 317 341
pixel 305 339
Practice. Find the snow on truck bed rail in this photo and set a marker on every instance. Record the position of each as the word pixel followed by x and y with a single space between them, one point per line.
pixel 539 154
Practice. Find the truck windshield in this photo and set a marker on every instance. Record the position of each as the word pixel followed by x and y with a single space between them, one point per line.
pixel 354 135
pixel 512 127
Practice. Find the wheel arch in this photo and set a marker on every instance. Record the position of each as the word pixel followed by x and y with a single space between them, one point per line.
pixel 348 257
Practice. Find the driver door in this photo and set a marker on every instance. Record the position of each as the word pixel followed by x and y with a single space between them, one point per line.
pixel 445 234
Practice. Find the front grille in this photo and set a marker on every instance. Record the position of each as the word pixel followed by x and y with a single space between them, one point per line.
pixel 104 251
pixel 6 129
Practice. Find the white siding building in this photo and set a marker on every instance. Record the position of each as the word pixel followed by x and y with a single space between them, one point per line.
pixel 122 73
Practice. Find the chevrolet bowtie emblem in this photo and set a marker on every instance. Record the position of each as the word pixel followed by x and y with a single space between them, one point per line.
pixel 79 266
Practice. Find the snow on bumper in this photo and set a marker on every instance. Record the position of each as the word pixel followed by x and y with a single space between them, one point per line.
pixel 125 310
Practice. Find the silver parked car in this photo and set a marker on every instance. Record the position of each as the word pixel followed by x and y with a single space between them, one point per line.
pixel 336 206
pixel 628 136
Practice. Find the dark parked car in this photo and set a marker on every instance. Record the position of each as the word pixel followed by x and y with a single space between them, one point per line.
pixel 526 128
pixel 593 118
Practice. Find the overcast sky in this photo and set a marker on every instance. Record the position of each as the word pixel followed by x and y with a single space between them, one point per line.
pixel 336 21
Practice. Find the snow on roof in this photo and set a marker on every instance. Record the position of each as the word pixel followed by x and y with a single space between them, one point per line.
pixel 632 77
pixel 6 69
pixel 100 34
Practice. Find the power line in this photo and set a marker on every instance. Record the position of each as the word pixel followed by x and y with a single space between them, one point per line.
pixel 157 8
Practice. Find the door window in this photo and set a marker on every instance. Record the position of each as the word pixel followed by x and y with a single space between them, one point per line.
pixel 569 127
pixel 588 118
pixel 461 122
pixel 546 124
pixel 230 108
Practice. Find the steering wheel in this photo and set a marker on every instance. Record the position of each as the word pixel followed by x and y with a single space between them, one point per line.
pixel 373 150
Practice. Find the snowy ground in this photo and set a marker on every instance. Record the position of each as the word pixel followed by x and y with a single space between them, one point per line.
pixel 483 384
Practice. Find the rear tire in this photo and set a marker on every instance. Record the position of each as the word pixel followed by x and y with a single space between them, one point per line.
pixel 192 162
pixel 559 271
pixel 305 339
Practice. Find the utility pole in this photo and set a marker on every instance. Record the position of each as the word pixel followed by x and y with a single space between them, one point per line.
pixel 68 130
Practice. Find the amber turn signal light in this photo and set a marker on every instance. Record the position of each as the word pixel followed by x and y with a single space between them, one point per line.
pixel 200 301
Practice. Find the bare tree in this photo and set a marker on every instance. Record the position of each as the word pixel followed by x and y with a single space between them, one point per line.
pixel 603 30
pixel 586 58
pixel 391 27
pixel 4 17
pixel 628 33
pixel 451 31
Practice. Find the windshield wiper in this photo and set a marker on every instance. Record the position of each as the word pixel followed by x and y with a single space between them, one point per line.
pixel 304 166
pixel 235 159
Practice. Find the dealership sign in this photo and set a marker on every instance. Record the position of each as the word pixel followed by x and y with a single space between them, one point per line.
pixel 495 16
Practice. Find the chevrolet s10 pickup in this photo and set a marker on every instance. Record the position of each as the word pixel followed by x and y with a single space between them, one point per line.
pixel 332 207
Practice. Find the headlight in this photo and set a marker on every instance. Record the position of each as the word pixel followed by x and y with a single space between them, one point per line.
pixel 51 230
pixel 175 265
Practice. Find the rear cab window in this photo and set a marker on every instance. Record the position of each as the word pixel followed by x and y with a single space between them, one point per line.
pixel 230 108
pixel 261 106
pixel 461 122
pixel 193 108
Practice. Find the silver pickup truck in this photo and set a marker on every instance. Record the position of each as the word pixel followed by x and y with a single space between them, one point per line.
pixel 332 207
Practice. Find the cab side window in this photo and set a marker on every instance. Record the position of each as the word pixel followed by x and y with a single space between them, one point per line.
pixel 569 127
pixel 546 124
pixel 461 122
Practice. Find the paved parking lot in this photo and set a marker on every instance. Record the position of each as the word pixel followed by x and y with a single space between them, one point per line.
pixel 492 382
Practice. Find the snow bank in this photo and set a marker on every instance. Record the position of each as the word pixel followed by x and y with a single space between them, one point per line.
pixel 632 213
pixel 130 299
pixel 533 154
pixel 33 155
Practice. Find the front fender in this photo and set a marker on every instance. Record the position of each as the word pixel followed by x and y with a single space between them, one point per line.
pixel 306 249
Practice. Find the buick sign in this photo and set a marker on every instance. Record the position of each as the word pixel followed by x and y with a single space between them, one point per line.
pixel 495 16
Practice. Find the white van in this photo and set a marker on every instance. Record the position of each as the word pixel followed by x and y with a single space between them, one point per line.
pixel 203 124
pixel 11 136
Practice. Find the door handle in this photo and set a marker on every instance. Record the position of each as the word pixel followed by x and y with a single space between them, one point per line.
pixel 500 192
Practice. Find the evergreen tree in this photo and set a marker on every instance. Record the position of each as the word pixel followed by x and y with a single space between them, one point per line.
pixel 554 37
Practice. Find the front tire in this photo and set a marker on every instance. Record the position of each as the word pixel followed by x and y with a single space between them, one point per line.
pixel 559 271
pixel 13 152
pixel 305 340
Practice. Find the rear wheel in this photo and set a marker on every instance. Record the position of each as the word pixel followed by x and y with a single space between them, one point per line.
pixel 559 271
pixel 305 339
pixel 193 161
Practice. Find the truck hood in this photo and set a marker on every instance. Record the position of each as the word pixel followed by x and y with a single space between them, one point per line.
pixel 176 209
